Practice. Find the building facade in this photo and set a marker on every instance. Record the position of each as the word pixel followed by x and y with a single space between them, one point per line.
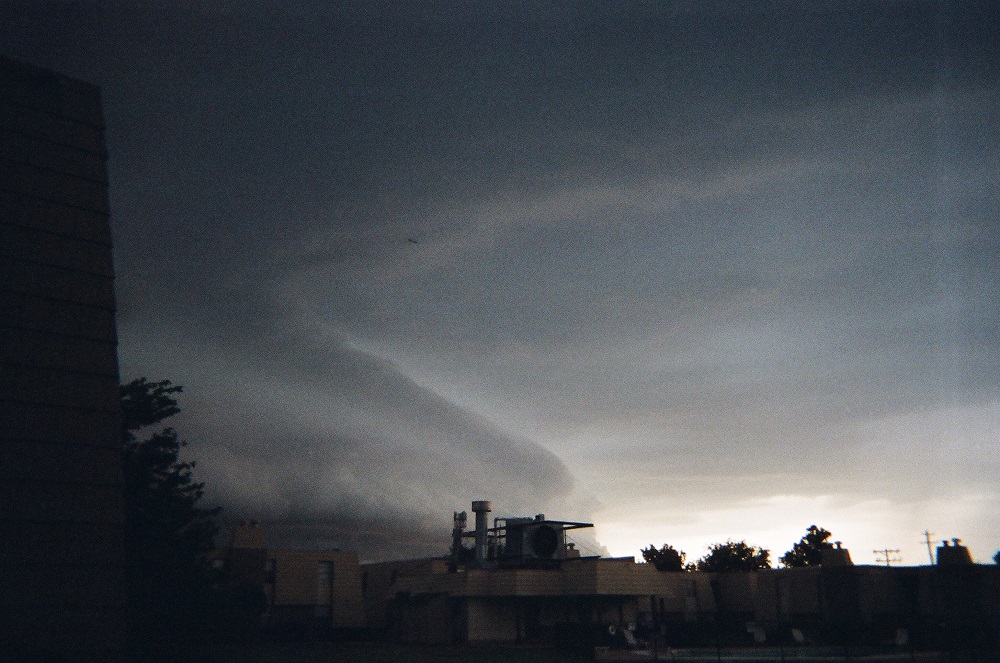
pixel 315 591
pixel 60 433
pixel 942 607
pixel 425 603
pixel 931 607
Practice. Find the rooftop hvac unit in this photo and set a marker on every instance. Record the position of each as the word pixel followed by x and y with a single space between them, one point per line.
pixel 544 542
pixel 536 539
pixel 528 540
pixel 513 542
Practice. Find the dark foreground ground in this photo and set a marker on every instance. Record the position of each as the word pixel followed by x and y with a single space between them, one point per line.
pixel 381 652
pixel 378 652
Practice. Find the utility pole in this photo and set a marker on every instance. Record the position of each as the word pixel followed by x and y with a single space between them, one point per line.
pixel 887 554
pixel 927 539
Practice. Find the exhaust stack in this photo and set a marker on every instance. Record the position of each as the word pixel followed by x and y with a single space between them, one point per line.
pixel 482 510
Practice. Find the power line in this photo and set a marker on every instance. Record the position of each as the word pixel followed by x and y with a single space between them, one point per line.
pixel 927 539
pixel 887 555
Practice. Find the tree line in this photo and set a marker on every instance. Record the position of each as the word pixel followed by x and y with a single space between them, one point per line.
pixel 739 556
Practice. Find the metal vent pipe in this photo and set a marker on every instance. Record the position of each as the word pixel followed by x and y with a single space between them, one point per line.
pixel 482 510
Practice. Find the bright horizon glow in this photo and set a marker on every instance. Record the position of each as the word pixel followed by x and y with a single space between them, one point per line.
pixel 766 524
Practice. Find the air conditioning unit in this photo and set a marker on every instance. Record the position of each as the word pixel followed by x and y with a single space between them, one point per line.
pixel 544 542
pixel 530 539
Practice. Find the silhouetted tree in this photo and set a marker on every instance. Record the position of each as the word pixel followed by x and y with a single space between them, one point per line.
pixel 809 550
pixel 666 558
pixel 996 558
pixel 167 534
pixel 734 556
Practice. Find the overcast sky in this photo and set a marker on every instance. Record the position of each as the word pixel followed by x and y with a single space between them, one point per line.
pixel 690 270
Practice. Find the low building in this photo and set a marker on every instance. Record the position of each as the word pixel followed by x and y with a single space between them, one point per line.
pixel 525 581
pixel 378 582
pixel 319 587
pixel 427 604
pixel 943 606
pixel 519 589
pixel 306 589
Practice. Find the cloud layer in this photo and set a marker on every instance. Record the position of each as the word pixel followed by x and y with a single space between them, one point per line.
pixel 671 265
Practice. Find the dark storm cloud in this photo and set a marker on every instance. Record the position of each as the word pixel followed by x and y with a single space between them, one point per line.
pixel 790 246
pixel 309 435
pixel 727 240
